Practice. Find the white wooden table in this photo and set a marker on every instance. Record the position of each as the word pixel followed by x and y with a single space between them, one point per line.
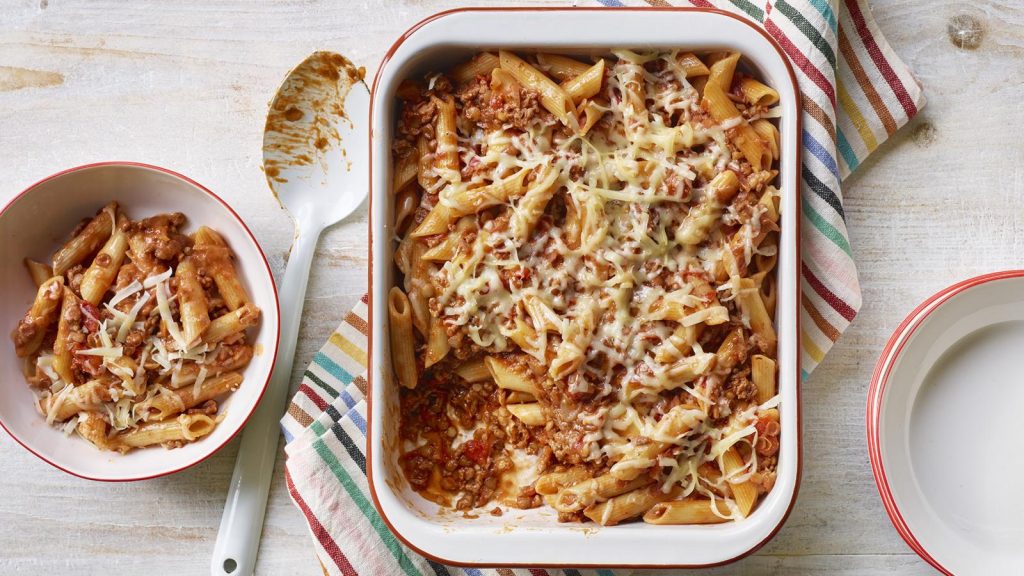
pixel 185 85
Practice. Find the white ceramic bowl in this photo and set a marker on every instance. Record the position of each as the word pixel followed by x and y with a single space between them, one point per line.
pixel 37 221
pixel 943 424
pixel 534 537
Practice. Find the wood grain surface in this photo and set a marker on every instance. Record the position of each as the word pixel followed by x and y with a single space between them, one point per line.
pixel 185 85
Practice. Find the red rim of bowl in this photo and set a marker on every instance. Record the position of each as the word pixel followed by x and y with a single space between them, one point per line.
pixel 880 379
pixel 266 265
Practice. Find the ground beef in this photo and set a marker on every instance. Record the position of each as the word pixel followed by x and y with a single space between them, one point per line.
pixel 156 242
pixel 739 388
pixel 494 109
pixel 418 113
pixel 446 466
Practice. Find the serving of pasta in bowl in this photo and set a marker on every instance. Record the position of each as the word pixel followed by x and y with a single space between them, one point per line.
pixel 584 262
pixel 142 319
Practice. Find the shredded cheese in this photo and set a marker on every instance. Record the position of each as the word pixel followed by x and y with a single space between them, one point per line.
pixel 164 306
pixel 125 292
pixel 610 287
pixel 107 352
pixel 157 279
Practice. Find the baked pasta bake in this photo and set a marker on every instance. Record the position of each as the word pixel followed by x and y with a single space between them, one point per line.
pixel 136 331
pixel 584 316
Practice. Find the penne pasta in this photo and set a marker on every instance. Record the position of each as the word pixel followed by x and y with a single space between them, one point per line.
pixel 231 323
pixel 769 133
pixel 640 455
pixel 437 343
pixel 743 491
pixel 551 483
pixel 474 371
pixel 755 150
pixel 757 94
pixel 38 271
pixel 511 375
pixel 691 65
pixel 426 177
pixel 170 402
pixel 184 428
pixel 516 397
pixel 762 372
pixel 625 507
pixel 530 414
pixel 446 160
pixel 688 511
pixel 86 242
pixel 732 351
pixel 543 317
pixel 406 171
pixel 436 222
pixel 575 341
pixel 195 314
pixel 100 274
pixel 444 251
pixel 69 319
pixel 406 203
pixel 214 257
pixel 560 67
pixel 552 96
pixel 45 310
pixel 592 112
pixel 239 357
pixel 703 216
pixel 750 302
pixel 403 254
pixel 464 201
pixel 480 65
pixel 93 428
pixel 585 85
pixel 403 357
pixel 533 203
pixel 584 493
pixel 84 398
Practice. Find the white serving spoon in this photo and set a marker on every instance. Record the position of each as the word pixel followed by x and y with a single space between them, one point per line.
pixel 315 149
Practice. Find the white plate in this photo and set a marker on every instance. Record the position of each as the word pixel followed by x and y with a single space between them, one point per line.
pixel 943 422
pixel 37 221
pixel 535 537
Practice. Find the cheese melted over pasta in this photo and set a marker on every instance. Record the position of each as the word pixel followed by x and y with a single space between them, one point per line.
pixel 607 259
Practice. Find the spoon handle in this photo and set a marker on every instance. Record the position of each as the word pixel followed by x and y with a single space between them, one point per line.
pixel 238 539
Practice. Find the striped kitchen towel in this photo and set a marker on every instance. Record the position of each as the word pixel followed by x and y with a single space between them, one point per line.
pixel 856 93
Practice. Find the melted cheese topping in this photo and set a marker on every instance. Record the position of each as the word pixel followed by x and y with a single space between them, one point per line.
pixel 587 291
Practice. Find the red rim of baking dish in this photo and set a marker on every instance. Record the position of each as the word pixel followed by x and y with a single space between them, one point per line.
pixel 273 286
pixel 880 379
pixel 370 320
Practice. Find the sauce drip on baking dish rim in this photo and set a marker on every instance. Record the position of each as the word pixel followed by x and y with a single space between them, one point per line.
pixel 300 129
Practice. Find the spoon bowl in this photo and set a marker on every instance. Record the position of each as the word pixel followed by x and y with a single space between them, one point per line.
pixel 314 152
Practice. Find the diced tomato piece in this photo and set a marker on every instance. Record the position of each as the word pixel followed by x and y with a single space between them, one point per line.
pixel 476 451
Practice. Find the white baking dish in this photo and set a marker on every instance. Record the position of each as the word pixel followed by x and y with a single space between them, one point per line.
pixel 534 537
